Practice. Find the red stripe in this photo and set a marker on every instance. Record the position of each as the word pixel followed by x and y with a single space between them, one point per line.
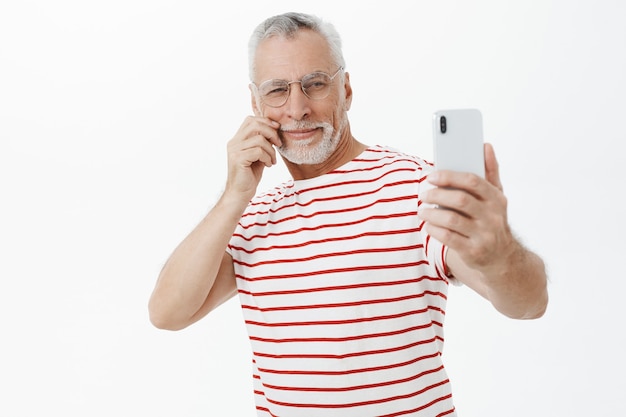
pixel 425 406
pixel 339 287
pixel 417 168
pixel 363 403
pixel 266 410
pixel 356 387
pixel 351 321
pixel 350 304
pixel 325 212
pixel 333 254
pixel 349 355
pixel 328 240
pixel 443 262
pixel 385 152
pixel 346 338
pixel 332 197
pixel 334 271
pixel 349 371
pixel 341 184
pixel 366 181
pixel 324 226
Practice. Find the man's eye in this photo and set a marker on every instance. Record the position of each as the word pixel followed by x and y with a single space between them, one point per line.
pixel 316 85
pixel 276 91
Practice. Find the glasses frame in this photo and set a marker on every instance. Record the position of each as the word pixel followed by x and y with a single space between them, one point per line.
pixel 332 78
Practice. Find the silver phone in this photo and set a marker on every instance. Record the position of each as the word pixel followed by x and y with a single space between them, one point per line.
pixel 458 141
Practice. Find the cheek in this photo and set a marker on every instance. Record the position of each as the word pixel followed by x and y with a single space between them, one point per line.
pixel 333 111
pixel 271 113
pixel 340 113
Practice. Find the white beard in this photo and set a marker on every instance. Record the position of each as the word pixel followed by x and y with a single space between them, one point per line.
pixel 302 153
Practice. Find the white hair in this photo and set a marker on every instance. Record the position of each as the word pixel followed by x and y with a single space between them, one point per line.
pixel 287 25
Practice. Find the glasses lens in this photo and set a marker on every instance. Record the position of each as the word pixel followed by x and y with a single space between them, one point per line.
pixel 274 92
pixel 316 85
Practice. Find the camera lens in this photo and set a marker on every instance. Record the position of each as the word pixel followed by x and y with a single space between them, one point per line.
pixel 443 124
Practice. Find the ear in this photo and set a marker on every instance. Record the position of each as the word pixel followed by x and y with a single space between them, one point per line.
pixel 254 101
pixel 348 91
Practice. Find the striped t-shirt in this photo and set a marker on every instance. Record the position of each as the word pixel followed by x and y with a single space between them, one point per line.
pixel 344 295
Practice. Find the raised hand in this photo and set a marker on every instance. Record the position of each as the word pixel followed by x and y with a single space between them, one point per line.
pixel 474 222
pixel 250 151
pixel 483 253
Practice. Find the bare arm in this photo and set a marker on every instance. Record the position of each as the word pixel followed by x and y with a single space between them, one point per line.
pixel 483 253
pixel 199 275
pixel 516 286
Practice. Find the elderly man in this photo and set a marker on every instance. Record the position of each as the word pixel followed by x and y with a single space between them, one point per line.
pixel 341 280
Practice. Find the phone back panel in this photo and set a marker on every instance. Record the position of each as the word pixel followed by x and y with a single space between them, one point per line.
pixel 459 145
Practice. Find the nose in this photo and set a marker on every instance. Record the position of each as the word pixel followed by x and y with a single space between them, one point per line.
pixel 298 104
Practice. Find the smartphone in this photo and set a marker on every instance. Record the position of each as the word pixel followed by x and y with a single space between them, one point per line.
pixel 458 141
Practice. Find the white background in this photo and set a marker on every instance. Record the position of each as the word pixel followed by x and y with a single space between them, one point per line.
pixel 113 122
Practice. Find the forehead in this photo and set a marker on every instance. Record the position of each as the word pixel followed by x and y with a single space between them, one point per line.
pixel 291 58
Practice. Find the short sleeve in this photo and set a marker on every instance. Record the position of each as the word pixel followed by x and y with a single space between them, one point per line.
pixel 435 250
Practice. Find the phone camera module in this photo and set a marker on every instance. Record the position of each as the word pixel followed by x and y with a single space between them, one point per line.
pixel 443 124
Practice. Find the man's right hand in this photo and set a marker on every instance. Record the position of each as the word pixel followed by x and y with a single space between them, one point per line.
pixel 249 152
pixel 199 275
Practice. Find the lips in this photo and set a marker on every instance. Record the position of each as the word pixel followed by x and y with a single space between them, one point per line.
pixel 300 133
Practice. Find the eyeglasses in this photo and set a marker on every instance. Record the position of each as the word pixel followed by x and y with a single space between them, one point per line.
pixel 315 86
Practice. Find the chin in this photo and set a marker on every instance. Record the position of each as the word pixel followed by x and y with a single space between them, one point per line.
pixel 310 153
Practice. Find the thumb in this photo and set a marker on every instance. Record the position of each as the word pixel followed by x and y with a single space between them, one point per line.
pixel 492 169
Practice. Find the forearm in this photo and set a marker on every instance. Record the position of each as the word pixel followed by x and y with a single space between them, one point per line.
pixel 189 274
pixel 517 286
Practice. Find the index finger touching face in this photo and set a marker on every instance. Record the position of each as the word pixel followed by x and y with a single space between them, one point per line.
pixel 269 129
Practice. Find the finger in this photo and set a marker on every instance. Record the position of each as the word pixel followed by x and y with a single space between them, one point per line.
pixel 261 143
pixel 271 135
pixel 446 180
pixel 453 199
pixel 467 236
pixel 258 154
pixel 448 219
pixel 247 156
pixel 448 237
pixel 248 137
pixel 267 128
pixel 256 132
pixel 492 168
